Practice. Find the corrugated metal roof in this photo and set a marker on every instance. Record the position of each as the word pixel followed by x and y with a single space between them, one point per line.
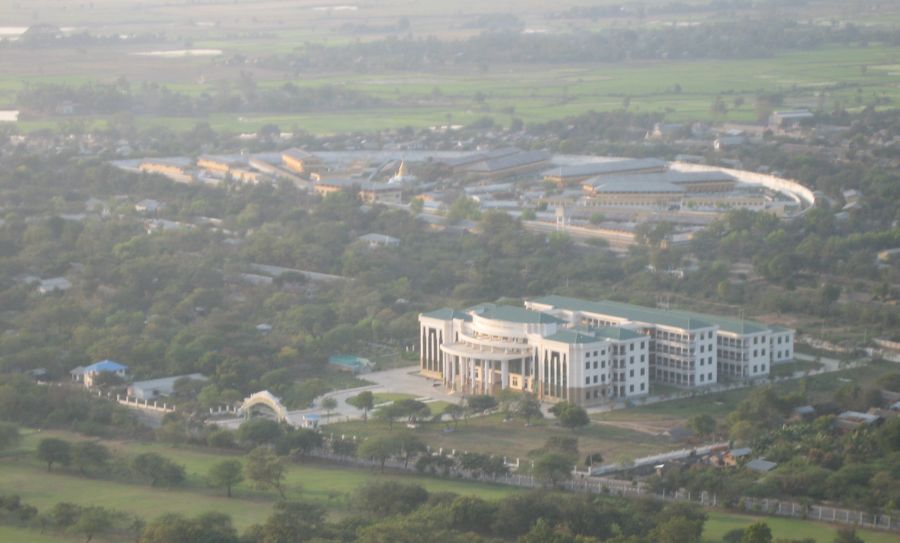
pixel 509 161
pixel 606 168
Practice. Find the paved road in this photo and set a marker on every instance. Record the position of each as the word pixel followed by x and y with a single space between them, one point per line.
pixel 404 380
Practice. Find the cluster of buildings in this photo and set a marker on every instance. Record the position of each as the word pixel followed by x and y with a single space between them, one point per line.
pixel 586 352
pixel 533 184
pixel 307 170
pixel 148 390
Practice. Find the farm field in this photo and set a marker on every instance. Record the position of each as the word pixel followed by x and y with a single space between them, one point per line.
pixel 681 90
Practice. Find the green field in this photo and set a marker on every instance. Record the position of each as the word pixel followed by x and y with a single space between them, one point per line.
pixel 718 405
pixel 327 484
pixel 721 523
pixel 533 93
pixel 384 397
pixel 513 439
pixel 20 473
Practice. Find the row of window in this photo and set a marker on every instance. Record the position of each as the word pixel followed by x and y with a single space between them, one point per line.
pixel 596 394
pixel 602 378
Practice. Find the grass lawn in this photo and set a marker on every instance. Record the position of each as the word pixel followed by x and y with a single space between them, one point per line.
pixel 718 405
pixel 513 439
pixel 323 483
pixel 384 397
pixel 721 523
pixel 786 369
pixel 23 535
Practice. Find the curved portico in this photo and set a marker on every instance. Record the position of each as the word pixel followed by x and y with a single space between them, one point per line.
pixel 476 370
pixel 486 349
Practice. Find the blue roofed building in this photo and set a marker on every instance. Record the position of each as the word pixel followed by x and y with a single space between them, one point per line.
pixel 87 374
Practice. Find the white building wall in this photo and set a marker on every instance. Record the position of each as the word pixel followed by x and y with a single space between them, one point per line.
pixel 781 346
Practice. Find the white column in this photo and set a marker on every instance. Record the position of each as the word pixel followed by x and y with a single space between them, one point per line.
pixel 448 371
pixel 551 375
pixel 504 374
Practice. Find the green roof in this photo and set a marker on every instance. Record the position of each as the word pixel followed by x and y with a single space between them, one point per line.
pixel 580 335
pixel 690 320
pixel 675 319
pixel 569 335
pixel 509 313
pixel 730 324
pixel 446 314
pixel 616 332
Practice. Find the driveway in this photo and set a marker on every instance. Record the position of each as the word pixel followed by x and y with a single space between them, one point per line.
pixel 404 380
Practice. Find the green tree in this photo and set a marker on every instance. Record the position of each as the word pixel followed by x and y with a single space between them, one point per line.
pixel 329 404
pixel 552 469
pixel 678 530
pixel 390 413
pixel 472 514
pixel 259 431
pixel 298 442
pixel 94 521
pixel 90 455
pixel 266 469
pixel 847 535
pixel 174 528
pixel 9 435
pixel 379 448
pixel 529 408
pixel 364 401
pixel 226 474
pixel 463 208
pixel 293 522
pixel 758 532
pixel 703 425
pixel 455 412
pixel 410 446
pixel 570 415
pixel 158 469
pixel 54 451
pixel 385 498
pixel 479 403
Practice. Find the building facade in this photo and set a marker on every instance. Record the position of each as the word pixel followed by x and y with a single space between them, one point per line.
pixel 588 352
pixel 687 348
pixel 489 348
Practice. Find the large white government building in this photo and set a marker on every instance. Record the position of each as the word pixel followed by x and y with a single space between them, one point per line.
pixel 588 352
